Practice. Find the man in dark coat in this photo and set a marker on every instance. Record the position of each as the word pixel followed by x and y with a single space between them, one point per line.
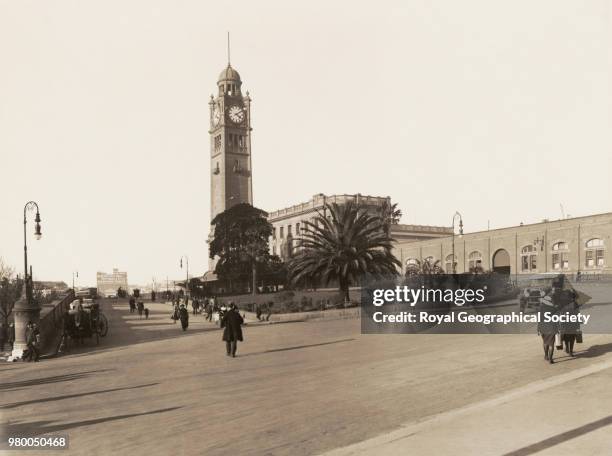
pixel 32 341
pixel 184 317
pixel 569 329
pixel 232 331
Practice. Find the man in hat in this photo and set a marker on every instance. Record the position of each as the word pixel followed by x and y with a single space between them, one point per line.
pixel 232 332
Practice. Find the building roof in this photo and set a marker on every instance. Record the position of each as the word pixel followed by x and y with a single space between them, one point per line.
pixel 229 74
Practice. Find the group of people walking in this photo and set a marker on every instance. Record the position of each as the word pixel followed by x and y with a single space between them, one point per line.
pixel 559 300
pixel 142 310
pixel 229 319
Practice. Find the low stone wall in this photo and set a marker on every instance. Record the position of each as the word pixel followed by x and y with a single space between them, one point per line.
pixel 331 314
pixel 320 299
pixel 51 320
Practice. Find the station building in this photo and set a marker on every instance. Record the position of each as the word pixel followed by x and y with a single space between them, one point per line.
pixel 288 223
pixel 580 244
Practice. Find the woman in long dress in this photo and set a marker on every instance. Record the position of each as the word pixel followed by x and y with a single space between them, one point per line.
pixel 547 329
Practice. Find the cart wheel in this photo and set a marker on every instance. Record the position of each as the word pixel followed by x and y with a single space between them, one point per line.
pixel 102 325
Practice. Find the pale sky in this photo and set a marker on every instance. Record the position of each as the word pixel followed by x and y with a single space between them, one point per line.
pixel 498 109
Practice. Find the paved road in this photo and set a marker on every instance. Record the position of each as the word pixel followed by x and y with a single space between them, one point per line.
pixel 295 388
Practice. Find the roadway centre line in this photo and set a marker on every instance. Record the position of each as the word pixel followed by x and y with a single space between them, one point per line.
pixel 370 446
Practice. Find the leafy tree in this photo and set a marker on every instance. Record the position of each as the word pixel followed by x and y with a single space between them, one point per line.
pixel 240 241
pixel 343 247
pixel 425 267
pixel 10 290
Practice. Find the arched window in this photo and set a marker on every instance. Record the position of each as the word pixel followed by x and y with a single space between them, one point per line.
pixel 594 253
pixel 560 256
pixel 449 264
pixel 475 261
pixel 529 258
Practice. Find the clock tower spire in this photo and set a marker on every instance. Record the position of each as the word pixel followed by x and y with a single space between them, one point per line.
pixel 230 144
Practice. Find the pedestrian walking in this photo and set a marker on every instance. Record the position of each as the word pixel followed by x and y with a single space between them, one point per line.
pixel 269 310
pixel 231 322
pixel 32 341
pixel 140 309
pixel 132 304
pixel 569 330
pixel 11 335
pixel 184 317
pixel 175 313
pixel 547 329
pixel 146 311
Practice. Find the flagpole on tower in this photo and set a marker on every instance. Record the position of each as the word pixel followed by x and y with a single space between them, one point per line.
pixel 228 49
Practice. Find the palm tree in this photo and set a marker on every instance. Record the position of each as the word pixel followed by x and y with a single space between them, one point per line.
pixel 390 215
pixel 343 246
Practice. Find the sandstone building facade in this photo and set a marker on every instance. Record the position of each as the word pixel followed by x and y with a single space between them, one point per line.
pixel 288 222
pixel 580 244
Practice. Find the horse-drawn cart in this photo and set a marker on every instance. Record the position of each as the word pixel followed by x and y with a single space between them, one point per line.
pixel 83 320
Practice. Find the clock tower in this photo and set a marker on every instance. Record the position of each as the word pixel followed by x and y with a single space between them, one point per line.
pixel 230 145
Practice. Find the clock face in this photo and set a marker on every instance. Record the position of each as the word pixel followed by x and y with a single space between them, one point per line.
pixel 236 114
pixel 216 115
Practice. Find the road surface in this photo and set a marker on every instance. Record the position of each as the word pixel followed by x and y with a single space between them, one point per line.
pixel 308 388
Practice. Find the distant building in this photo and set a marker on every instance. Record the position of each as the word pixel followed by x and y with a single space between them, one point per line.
pixel 108 284
pixel 288 223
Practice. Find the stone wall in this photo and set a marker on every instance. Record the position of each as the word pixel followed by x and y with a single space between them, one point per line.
pixel 51 319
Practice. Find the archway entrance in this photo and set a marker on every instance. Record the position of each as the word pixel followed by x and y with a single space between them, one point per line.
pixel 501 262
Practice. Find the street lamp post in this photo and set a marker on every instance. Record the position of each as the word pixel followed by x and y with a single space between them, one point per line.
pixel 30 205
pixel 187 278
pixel 455 215
pixel 77 276
pixel 25 310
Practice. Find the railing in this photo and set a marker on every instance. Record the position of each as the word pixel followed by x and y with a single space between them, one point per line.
pixel 51 318
pixel 318 201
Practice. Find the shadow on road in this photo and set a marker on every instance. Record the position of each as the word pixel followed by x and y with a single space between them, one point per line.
pixel 127 329
pixel 71 396
pixel 35 428
pixel 595 350
pixel 298 347
pixel 12 386
pixel 560 438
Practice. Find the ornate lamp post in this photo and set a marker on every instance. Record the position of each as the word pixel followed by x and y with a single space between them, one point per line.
pixel 37 234
pixel 25 308
pixel 187 279
pixel 455 215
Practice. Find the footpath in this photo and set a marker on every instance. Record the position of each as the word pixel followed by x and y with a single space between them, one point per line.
pixel 569 414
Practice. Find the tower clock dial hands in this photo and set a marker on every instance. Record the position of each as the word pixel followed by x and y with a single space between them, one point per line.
pixel 236 114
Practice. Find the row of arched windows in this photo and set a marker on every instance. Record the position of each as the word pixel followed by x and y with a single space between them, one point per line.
pixel 594 257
